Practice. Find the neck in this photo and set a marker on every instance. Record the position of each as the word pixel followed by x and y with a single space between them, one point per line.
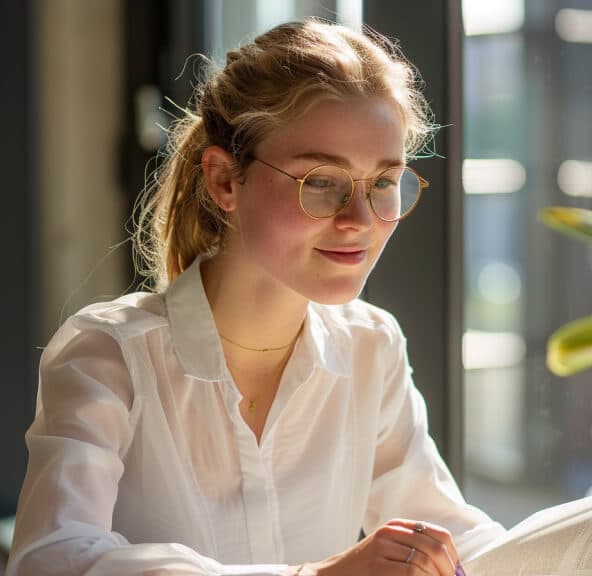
pixel 252 311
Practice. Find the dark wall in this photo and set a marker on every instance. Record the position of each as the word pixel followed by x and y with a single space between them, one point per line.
pixel 419 277
pixel 19 287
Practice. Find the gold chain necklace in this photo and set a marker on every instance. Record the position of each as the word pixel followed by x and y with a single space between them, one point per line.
pixel 276 349
pixel 252 405
pixel 258 349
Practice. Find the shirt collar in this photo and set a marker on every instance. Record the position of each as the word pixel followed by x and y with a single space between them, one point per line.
pixel 329 341
pixel 193 329
pixel 323 343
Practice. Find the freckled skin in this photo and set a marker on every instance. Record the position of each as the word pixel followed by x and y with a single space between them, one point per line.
pixel 277 239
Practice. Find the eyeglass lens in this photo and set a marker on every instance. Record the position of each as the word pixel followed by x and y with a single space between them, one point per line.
pixel 327 189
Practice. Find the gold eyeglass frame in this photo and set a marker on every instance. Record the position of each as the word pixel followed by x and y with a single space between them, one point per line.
pixel 423 183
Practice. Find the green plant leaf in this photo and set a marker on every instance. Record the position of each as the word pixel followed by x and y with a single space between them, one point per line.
pixel 569 349
pixel 573 221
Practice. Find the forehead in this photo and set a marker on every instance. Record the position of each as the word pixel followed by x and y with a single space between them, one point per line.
pixel 362 130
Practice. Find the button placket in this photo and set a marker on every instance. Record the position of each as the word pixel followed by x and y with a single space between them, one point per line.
pixel 267 455
pixel 256 501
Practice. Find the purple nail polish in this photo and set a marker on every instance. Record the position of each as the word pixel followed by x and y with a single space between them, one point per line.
pixel 459 571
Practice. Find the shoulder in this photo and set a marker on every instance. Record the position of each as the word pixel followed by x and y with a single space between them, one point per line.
pixel 100 329
pixel 124 317
pixel 359 315
pixel 89 354
pixel 365 342
pixel 360 318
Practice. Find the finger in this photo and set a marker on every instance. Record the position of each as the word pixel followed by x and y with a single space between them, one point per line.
pixel 396 551
pixel 416 558
pixel 434 531
pixel 436 550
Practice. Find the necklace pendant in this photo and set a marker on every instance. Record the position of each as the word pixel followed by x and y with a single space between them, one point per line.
pixel 252 406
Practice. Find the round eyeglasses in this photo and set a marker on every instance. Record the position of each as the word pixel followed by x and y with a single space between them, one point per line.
pixel 326 190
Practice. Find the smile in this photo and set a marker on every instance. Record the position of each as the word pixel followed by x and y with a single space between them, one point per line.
pixel 347 257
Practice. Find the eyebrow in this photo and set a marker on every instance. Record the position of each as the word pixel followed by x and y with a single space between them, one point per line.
pixel 342 161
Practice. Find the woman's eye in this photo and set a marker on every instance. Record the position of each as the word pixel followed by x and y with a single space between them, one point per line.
pixel 384 183
pixel 320 182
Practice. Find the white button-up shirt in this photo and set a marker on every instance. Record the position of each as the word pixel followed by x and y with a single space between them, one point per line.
pixel 141 464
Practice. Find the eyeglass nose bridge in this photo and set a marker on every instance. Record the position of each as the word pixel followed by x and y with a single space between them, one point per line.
pixel 369 182
pixel 367 194
pixel 366 191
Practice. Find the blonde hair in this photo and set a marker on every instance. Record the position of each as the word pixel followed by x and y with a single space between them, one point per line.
pixel 264 84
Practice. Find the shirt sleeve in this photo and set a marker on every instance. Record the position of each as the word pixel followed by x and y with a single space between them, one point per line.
pixel 77 443
pixel 410 479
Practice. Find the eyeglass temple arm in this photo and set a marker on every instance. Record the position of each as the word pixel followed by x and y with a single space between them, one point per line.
pixel 278 169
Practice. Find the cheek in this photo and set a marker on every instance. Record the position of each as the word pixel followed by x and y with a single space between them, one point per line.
pixel 385 231
pixel 271 218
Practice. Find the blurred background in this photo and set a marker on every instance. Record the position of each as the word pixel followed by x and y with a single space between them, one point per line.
pixel 477 283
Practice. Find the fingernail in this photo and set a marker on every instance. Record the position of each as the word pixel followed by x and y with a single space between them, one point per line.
pixel 459 571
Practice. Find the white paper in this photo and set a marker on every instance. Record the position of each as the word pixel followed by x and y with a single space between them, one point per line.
pixel 553 542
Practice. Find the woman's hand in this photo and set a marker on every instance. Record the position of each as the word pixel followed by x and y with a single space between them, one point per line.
pixel 399 548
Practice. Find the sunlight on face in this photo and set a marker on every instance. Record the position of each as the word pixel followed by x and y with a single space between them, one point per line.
pixel 325 260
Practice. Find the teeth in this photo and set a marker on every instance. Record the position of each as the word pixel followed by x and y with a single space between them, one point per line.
pixel 570 348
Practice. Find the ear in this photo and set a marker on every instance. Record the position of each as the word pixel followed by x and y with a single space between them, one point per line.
pixel 217 165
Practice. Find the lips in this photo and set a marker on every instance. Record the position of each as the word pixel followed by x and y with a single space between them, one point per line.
pixel 345 249
pixel 345 255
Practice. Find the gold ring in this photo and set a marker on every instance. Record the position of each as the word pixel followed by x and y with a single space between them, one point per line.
pixel 419 527
pixel 411 554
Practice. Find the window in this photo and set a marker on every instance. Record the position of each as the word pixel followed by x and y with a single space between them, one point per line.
pixel 234 20
pixel 528 144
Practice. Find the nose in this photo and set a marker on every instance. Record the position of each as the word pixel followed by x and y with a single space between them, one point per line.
pixel 358 212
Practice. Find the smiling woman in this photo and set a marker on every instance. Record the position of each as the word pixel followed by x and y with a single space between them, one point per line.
pixel 252 414
pixel 329 258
